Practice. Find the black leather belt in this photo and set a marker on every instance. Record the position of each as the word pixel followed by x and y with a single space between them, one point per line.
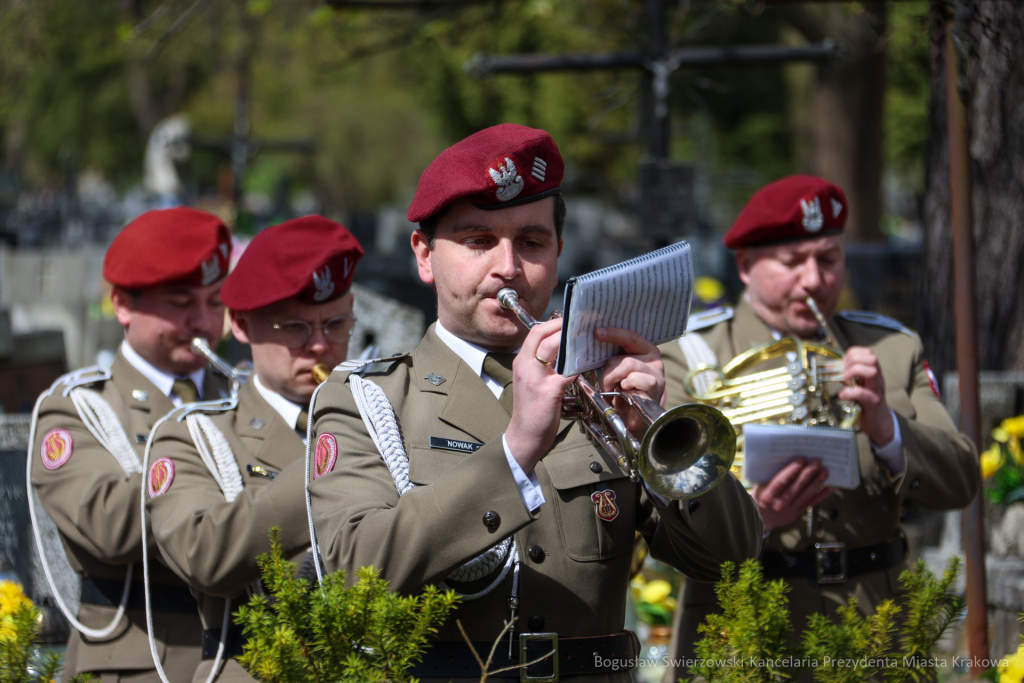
pixel 232 648
pixel 107 592
pixel 573 657
pixel 834 562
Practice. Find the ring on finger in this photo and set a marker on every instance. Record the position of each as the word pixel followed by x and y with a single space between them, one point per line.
pixel 542 361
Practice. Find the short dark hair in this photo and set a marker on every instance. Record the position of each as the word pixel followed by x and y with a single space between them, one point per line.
pixel 429 225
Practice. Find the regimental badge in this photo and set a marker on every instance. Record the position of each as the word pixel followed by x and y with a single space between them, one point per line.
pixel 140 395
pixel 606 507
pixel 324 455
pixel 211 270
pixel 436 380
pixel 508 180
pixel 323 283
pixel 931 380
pixel 813 219
pixel 56 448
pixel 161 474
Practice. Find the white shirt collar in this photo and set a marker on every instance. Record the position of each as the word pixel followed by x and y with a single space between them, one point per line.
pixel 160 379
pixel 471 354
pixel 288 410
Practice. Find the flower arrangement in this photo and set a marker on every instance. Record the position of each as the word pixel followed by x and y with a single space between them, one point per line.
pixel 1002 465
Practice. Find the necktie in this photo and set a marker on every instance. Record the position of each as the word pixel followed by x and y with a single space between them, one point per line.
pixel 499 367
pixel 185 389
pixel 302 424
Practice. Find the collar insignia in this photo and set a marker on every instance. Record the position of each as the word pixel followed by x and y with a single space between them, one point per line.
pixel 141 438
pixel 324 284
pixel 436 380
pixel 256 423
pixel 259 471
pixel 140 395
pixel 509 182
pixel 211 270
pixel 813 219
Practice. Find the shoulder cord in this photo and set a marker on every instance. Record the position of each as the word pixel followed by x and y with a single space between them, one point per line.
pixel 31 495
pixel 698 352
pixel 101 421
pixel 225 620
pixel 382 425
pixel 221 462
pixel 314 547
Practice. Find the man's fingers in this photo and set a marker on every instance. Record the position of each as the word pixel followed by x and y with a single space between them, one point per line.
pixel 783 479
pixel 540 333
pixel 632 343
pixel 805 479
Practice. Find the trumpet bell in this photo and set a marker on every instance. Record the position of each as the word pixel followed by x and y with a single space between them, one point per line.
pixel 687 451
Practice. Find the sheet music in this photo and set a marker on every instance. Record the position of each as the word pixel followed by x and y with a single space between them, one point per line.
pixel 649 295
pixel 767 448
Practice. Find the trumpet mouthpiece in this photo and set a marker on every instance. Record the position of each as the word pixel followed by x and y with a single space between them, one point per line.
pixel 320 373
pixel 507 297
pixel 199 345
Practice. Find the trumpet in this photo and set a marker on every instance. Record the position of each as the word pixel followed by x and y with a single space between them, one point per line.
pixel 237 374
pixel 684 453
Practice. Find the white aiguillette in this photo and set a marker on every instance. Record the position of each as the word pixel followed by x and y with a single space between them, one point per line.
pixel 649 295
pixel 767 448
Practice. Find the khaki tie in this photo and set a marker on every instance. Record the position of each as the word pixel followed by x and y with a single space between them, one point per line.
pixel 302 424
pixel 185 389
pixel 499 367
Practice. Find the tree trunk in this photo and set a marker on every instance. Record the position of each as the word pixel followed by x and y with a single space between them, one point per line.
pixel 992 37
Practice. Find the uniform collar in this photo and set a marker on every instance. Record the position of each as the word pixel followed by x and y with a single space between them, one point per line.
pixel 288 410
pixel 471 354
pixel 161 380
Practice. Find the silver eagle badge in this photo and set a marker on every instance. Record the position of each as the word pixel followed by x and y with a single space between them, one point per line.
pixel 211 270
pixel 813 219
pixel 323 283
pixel 509 182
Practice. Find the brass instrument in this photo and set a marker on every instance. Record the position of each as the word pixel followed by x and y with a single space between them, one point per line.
pixel 320 373
pixel 237 374
pixel 684 453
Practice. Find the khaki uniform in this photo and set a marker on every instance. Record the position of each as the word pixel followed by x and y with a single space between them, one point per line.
pixel 95 505
pixel 942 471
pixel 213 544
pixel 574 565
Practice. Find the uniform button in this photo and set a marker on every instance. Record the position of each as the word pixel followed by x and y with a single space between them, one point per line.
pixel 492 520
pixel 833 513
pixel 694 505
pixel 596 468
pixel 536 553
pixel 536 623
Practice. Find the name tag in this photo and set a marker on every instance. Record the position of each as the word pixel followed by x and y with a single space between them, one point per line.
pixel 454 444
pixel 258 471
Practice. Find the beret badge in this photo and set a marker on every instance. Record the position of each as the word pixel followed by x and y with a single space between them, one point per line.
pixel 813 220
pixel 508 180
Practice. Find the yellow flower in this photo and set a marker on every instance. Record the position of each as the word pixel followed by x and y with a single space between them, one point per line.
pixel 1015 452
pixel 655 591
pixel 1000 435
pixel 1012 670
pixel 991 461
pixel 11 596
pixel 1014 426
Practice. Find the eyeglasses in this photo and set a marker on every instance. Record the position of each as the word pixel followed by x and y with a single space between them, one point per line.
pixel 295 333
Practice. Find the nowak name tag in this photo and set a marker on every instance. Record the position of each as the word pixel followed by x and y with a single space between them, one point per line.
pixel 454 444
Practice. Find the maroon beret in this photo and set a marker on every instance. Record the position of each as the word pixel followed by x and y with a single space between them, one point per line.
pixel 500 166
pixel 311 259
pixel 794 208
pixel 179 246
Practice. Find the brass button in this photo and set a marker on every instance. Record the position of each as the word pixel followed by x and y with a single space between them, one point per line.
pixel 492 520
pixel 694 505
pixel 596 468
pixel 536 623
pixel 536 553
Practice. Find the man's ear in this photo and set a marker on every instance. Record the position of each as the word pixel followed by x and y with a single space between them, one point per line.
pixel 240 326
pixel 561 243
pixel 421 249
pixel 122 302
pixel 744 259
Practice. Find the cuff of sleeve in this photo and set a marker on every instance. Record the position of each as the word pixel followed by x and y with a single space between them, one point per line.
pixel 659 500
pixel 892 453
pixel 528 484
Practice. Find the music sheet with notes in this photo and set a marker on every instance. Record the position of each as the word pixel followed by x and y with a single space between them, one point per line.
pixel 767 448
pixel 649 294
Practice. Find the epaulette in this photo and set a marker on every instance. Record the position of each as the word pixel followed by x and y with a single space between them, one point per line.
pixel 876 319
pixel 82 377
pixel 220 405
pixel 360 365
pixel 712 316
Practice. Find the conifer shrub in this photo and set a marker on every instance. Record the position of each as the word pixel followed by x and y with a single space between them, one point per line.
pixel 21 661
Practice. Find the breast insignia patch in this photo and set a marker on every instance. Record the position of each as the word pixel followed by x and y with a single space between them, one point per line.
pixel 606 506
pixel 161 474
pixel 324 455
pixel 56 448
pixel 932 382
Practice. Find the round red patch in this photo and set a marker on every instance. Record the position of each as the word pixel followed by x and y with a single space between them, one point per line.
pixel 324 455
pixel 56 448
pixel 932 382
pixel 161 474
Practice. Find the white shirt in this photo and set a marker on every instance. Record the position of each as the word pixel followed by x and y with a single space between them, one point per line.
pixel 162 380
pixel 288 410
pixel 473 356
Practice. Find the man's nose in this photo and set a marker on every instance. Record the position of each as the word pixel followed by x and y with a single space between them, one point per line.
pixel 810 276
pixel 207 318
pixel 317 343
pixel 506 260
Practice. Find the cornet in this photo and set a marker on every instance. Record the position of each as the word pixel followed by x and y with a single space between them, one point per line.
pixel 237 375
pixel 684 453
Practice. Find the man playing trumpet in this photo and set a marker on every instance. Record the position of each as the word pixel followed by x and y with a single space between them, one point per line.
pixel 478 484
pixel 789 246
pixel 289 298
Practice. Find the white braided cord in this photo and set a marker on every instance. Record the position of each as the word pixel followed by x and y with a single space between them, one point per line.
pixel 382 425
pixel 102 422
pixel 698 352
pixel 218 456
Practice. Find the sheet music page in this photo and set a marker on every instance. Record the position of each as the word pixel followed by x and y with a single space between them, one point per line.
pixel 649 295
pixel 767 448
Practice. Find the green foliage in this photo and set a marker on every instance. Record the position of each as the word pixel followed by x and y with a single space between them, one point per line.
pixel 301 632
pixel 907 90
pixel 20 659
pixel 751 641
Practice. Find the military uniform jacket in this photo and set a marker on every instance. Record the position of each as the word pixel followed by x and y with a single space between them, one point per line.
pixel 211 543
pixel 941 467
pixel 574 565
pixel 95 506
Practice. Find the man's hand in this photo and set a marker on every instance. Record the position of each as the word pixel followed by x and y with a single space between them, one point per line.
pixel 639 370
pixel 537 396
pixel 796 487
pixel 875 419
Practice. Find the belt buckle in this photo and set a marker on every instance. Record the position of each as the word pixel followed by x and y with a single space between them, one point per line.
pixel 525 677
pixel 823 553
